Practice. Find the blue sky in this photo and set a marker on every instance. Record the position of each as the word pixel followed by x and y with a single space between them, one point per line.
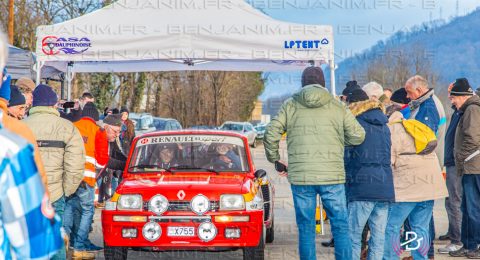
pixel 358 24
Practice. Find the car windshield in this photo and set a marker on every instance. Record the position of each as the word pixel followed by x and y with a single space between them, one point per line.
pixel 260 128
pixel 176 153
pixel 232 127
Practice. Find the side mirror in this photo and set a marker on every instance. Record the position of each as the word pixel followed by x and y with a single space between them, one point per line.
pixel 260 174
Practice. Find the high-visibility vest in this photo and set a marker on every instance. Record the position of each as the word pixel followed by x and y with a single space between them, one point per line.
pixel 88 129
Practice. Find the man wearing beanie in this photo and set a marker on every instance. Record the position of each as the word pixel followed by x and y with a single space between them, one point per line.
pixel 26 87
pixel 454 185
pixel 16 105
pixel 61 148
pixel 350 87
pixel 369 201
pixel 318 127
pixel 84 196
pixel 467 161
pixel 117 158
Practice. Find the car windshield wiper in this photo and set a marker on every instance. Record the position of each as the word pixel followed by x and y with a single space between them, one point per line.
pixel 187 167
pixel 150 166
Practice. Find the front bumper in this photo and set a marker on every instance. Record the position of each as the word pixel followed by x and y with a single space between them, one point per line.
pixel 250 231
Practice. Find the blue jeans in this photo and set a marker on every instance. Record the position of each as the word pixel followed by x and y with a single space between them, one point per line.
pixel 335 204
pixel 376 214
pixel 84 196
pixel 419 215
pixel 59 206
pixel 471 211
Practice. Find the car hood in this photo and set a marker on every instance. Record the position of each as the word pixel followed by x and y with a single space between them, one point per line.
pixel 171 185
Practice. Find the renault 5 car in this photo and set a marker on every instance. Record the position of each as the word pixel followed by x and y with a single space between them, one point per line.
pixel 190 190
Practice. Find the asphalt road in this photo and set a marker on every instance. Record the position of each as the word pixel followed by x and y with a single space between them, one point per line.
pixel 285 244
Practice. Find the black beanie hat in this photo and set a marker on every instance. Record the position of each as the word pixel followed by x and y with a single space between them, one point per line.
pixel 356 96
pixel 351 85
pixel 43 95
pixel 461 87
pixel 90 110
pixel 16 97
pixel 124 109
pixel 400 96
pixel 313 75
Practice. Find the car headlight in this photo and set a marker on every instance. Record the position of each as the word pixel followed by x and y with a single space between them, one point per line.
pixel 207 231
pixel 200 204
pixel 126 202
pixel 158 204
pixel 151 231
pixel 232 202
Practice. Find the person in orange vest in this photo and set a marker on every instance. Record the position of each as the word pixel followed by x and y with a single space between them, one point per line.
pixel 85 194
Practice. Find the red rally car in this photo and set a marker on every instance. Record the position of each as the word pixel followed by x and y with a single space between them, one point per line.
pixel 190 190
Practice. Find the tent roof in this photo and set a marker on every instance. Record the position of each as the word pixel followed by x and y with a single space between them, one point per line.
pixel 20 63
pixel 149 35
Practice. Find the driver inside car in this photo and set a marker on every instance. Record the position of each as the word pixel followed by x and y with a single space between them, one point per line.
pixel 225 159
pixel 166 157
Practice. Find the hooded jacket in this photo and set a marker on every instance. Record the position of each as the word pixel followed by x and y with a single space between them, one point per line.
pixel 61 148
pixel 21 129
pixel 369 173
pixel 416 177
pixel 318 128
pixel 467 138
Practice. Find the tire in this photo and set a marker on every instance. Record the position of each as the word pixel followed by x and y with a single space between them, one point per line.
pixel 270 233
pixel 115 253
pixel 256 252
pixel 254 144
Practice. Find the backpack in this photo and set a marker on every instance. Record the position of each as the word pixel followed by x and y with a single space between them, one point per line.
pixel 424 137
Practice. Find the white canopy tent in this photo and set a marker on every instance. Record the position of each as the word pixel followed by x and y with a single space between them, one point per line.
pixel 166 35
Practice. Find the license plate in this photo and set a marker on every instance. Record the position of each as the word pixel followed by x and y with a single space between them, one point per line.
pixel 181 231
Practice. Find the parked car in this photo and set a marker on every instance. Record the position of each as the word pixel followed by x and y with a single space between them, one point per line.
pixel 143 123
pixel 165 124
pixel 202 127
pixel 260 128
pixel 243 128
pixel 196 190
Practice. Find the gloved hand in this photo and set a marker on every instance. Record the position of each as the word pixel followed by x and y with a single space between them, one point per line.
pixel 5 86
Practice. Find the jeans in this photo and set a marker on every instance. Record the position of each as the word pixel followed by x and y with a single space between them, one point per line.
pixel 335 205
pixel 453 204
pixel 59 206
pixel 471 211
pixel 84 196
pixel 419 215
pixel 376 214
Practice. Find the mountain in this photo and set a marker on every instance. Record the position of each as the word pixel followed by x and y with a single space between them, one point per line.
pixel 447 51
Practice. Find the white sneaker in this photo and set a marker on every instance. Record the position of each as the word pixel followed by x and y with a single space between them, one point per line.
pixel 449 248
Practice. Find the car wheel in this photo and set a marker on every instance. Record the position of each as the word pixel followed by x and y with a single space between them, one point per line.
pixel 254 144
pixel 270 233
pixel 115 252
pixel 256 252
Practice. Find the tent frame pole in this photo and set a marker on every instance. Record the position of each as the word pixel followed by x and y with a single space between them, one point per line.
pixel 332 66
pixel 38 66
pixel 69 78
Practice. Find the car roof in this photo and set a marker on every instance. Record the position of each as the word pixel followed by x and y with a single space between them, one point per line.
pixel 192 132
pixel 238 123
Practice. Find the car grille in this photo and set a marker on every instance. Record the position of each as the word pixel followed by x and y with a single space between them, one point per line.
pixel 266 199
pixel 177 205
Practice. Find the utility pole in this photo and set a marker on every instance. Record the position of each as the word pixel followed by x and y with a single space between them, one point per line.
pixel 11 17
pixel 458 8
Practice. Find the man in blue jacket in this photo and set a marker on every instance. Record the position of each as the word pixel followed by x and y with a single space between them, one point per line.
pixel 427 108
pixel 369 175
